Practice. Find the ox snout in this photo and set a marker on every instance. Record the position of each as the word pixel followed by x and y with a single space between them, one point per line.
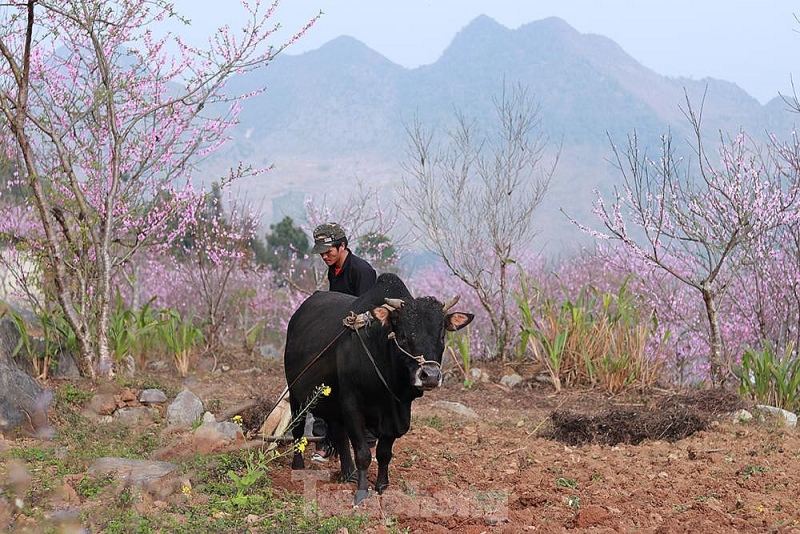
pixel 428 376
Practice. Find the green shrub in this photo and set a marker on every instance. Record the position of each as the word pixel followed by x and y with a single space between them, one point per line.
pixel 458 346
pixel 595 339
pixel 769 377
pixel 71 394
pixel 182 336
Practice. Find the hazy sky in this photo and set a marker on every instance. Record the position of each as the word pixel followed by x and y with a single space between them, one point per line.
pixel 753 43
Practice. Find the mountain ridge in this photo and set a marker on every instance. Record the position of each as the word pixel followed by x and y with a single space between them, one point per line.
pixel 336 115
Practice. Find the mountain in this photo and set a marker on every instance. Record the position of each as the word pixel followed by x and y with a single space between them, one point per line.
pixel 336 115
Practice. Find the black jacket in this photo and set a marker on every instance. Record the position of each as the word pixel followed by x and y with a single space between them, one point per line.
pixel 355 278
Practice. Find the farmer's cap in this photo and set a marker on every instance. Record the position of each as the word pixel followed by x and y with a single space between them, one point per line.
pixel 325 235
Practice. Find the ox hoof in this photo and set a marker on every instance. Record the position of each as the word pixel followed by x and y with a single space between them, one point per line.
pixel 360 496
pixel 380 488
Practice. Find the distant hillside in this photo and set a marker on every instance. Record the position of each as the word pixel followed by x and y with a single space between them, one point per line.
pixel 337 113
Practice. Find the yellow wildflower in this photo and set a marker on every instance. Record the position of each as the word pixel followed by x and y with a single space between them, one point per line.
pixel 237 419
pixel 326 390
pixel 300 446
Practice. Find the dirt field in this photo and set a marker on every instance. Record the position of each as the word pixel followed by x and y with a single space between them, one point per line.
pixel 499 472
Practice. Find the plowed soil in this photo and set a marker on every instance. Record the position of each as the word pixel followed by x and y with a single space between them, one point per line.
pixel 488 458
pixel 510 468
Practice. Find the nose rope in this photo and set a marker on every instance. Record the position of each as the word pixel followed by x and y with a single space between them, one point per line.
pixel 419 359
pixel 358 321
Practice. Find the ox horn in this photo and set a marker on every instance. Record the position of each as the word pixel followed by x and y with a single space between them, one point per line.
pixel 450 303
pixel 394 304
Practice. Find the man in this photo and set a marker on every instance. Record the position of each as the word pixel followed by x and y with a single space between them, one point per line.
pixel 347 273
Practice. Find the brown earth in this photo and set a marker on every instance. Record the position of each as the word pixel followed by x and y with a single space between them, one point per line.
pixel 504 471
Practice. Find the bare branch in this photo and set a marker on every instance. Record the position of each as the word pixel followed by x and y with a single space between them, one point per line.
pixel 471 197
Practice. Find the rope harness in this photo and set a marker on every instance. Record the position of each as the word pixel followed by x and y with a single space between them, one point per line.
pixel 357 322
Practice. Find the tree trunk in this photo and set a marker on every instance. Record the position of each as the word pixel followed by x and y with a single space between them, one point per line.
pixel 502 334
pixel 715 340
pixel 105 364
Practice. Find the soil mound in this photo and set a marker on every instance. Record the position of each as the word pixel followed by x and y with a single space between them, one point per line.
pixel 670 419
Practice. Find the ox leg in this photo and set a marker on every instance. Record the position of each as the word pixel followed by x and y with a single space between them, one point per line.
pixel 363 459
pixel 384 455
pixel 361 493
pixel 339 439
pixel 297 433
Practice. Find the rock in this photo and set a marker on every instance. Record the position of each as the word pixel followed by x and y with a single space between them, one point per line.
pixel 211 436
pixel 511 380
pixel 102 404
pixel 152 396
pixel 225 431
pixel 159 477
pixel 23 402
pixel 456 407
pixel 789 418
pixel 185 409
pixel 65 366
pixel 127 397
pixel 479 375
pixel 135 414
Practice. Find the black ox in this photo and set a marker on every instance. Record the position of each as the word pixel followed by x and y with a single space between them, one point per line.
pixel 387 355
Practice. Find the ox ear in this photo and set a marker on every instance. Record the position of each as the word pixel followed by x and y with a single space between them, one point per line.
pixel 457 321
pixel 381 313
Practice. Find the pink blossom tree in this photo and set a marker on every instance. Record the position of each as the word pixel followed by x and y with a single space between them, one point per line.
pixel 767 290
pixel 700 225
pixel 107 126
pixel 217 250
